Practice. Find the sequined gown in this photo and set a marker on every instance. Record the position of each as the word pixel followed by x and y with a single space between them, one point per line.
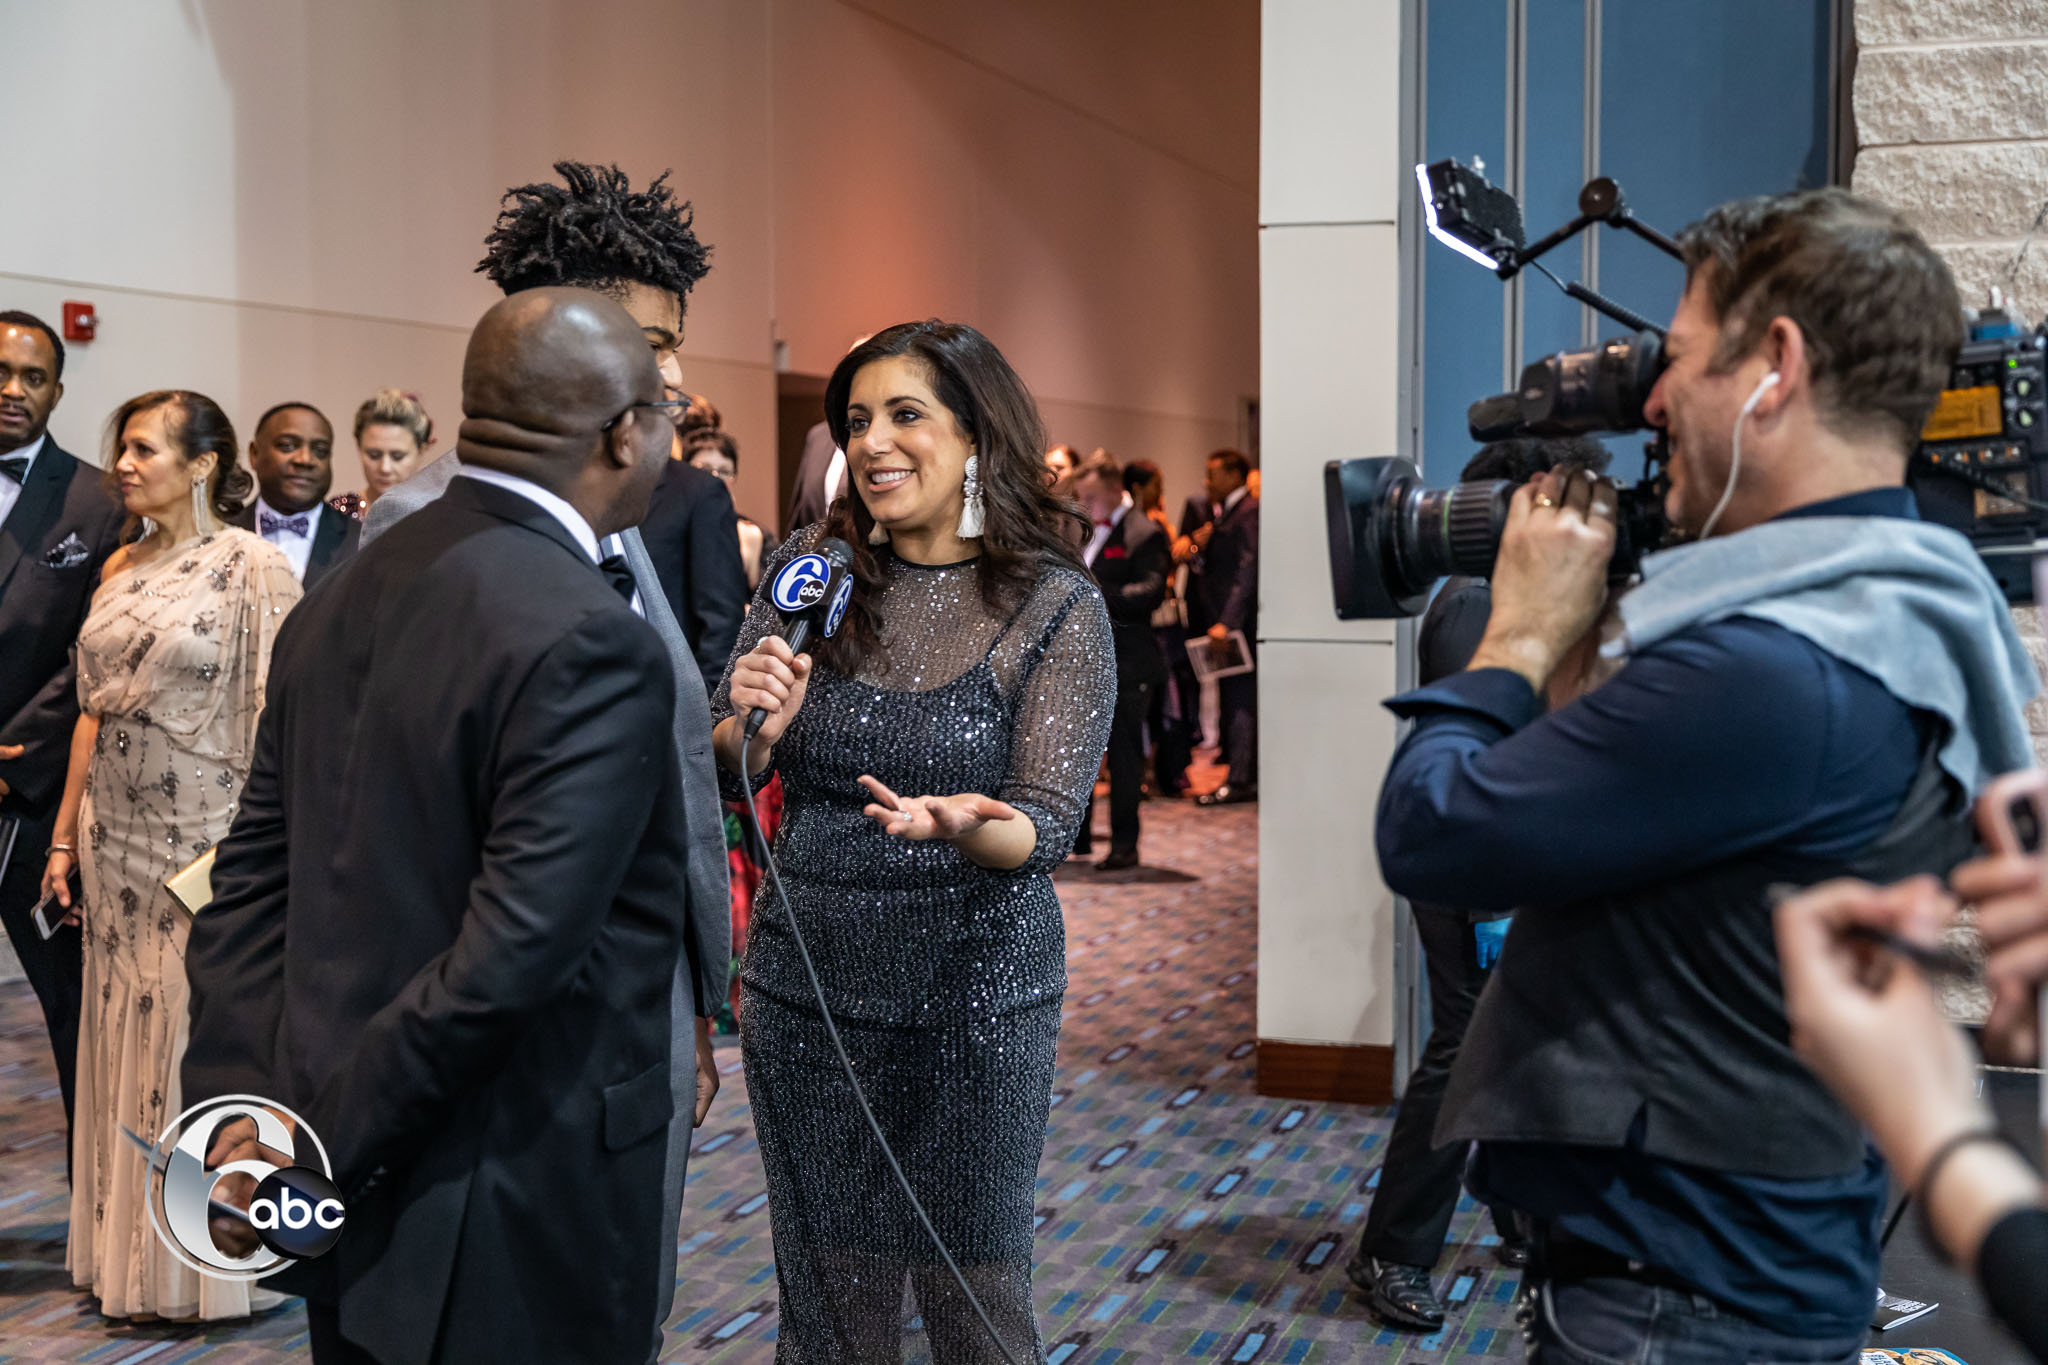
pixel 945 978
pixel 172 659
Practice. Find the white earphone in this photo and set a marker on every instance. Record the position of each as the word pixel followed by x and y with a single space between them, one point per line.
pixel 1763 386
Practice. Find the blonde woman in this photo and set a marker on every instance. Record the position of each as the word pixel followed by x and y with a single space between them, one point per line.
pixel 393 434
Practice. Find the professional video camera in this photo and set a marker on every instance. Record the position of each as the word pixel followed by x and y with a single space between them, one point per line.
pixel 1981 467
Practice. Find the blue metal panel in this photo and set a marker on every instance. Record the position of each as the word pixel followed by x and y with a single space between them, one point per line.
pixel 1703 101
pixel 1466 63
pixel 1554 164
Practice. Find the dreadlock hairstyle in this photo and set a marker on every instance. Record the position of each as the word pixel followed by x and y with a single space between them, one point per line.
pixel 596 232
pixel 1028 527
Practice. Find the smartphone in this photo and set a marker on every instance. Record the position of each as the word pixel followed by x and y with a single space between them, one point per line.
pixel 2012 816
pixel 48 915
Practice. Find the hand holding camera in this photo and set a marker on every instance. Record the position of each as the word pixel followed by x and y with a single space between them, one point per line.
pixel 1550 579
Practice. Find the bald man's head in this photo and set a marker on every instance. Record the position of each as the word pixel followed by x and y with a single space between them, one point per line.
pixel 546 370
pixel 556 362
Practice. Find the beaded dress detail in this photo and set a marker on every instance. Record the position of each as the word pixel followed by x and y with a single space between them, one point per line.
pixel 172 659
pixel 945 977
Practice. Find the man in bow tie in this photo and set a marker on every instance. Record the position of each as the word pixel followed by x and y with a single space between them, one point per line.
pixel 293 456
pixel 57 527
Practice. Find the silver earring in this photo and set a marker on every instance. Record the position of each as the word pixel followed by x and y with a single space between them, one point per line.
pixel 201 521
pixel 876 535
pixel 970 503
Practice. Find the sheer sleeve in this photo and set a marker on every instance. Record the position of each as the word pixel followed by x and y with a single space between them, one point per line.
pixel 1065 700
pixel 270 592
pixel 762 620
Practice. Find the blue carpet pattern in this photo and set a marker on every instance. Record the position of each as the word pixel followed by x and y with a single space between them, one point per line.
pixel 1181 1215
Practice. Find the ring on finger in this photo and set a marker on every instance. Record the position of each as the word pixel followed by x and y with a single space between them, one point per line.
pixel 1545 500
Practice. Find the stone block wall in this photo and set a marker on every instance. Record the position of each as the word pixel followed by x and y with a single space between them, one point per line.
pixel 1951 103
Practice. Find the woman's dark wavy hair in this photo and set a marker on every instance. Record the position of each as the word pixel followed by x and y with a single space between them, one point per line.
pixel 595 232
pixel 1025 526
pixel 195 424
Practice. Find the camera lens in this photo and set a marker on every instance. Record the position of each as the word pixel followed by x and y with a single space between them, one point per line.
pixel 1391 538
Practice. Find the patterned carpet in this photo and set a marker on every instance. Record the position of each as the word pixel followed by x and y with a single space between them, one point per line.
pixel 1181 1215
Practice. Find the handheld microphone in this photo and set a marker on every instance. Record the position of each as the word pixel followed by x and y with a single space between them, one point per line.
pixel 811 593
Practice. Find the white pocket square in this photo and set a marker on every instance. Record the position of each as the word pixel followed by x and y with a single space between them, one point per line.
pixel 67 553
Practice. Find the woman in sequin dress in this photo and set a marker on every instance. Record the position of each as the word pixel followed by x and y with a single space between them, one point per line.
pixel 171 663
pixel 935 761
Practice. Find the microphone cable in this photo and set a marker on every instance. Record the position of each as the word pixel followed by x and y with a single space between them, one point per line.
pixel 846 1063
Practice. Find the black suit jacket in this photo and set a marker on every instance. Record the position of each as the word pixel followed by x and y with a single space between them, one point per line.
pixel 1227 590
pixel 1197 514
pixel 334 539
pixel 807 500
pixel 445 927
pixel 693 537
pixel 1131 570
pixel 54 543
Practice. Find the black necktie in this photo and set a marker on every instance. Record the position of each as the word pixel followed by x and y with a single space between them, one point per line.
pixel 619 574
pixel 14 467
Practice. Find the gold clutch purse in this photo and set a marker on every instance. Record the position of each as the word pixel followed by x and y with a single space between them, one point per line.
pixel 192 885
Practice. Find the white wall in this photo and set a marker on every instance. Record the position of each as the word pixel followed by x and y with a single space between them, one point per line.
pixel 272 199
pixel 1329 320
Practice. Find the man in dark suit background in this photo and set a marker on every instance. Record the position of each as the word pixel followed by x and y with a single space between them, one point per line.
pixel 57 526
pixel 446 934
pixel 1227 591
pixel 292 456
pixel 639 249
pixel 692 534
pixel 1130 558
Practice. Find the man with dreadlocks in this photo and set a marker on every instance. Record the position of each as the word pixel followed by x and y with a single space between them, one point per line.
pixel 594 231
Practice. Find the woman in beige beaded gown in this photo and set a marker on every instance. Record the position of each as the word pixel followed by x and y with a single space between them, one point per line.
pixel 171 664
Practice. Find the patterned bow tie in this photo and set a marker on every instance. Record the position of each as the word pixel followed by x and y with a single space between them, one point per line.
pixel 298 525
pixel 14 467
pixel 619 574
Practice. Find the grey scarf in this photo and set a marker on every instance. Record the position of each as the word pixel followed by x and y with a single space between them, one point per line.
pixel 1908 602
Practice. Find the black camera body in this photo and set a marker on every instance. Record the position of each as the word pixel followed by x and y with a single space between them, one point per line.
pixel 1391 537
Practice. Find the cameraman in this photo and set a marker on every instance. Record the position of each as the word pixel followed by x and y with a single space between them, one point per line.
pixel 1808 692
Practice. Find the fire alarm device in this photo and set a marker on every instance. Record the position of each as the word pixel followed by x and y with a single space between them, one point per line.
pixel 80 321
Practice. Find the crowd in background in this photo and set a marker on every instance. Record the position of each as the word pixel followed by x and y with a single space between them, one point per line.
pixel 1074 627
pixel 147 636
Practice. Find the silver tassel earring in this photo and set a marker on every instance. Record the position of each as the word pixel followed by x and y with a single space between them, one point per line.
pixel 876 535
pixel 970 503
pixel 202 520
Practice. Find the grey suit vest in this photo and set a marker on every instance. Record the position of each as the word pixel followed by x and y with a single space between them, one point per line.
pixel 1667 1002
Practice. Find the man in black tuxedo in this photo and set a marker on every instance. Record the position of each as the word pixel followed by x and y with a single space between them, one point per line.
pixel 57 527
pixel 1226 597
pixel 292 455
pixel 1130 558
pixel 692 534
pixel 446 934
